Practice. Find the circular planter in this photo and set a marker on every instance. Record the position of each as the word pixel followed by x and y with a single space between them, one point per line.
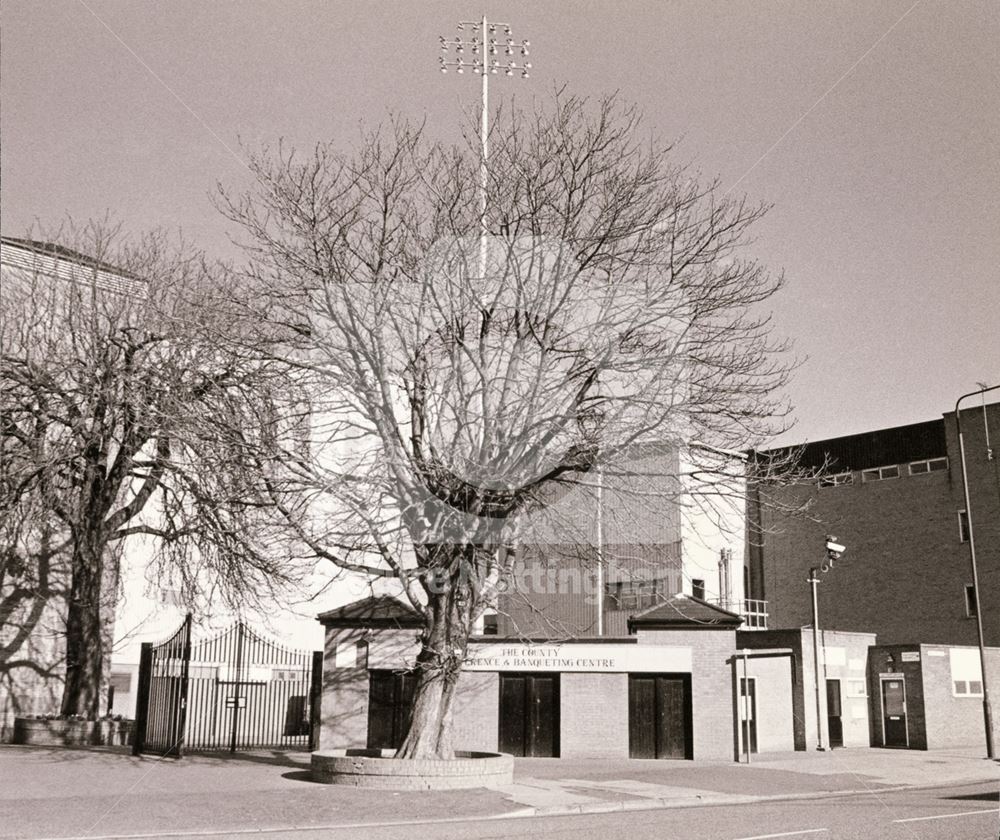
pixel 379 769
pixel 72 733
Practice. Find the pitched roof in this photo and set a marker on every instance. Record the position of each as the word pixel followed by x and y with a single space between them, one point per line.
pixel 687 612
pixel 375 611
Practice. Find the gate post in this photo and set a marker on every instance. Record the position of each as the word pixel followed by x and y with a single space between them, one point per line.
pixel 181 713
pixel 315 699
pixel 142 697
pixel 239 681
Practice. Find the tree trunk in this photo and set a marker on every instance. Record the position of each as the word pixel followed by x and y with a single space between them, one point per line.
pixel 85 647
pixel 439 666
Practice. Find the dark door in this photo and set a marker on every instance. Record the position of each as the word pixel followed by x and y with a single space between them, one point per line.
pixel 894 712
pixel 529 714
pixel 748 712
pixel 659 716
pixel 390 703
pixel 835 723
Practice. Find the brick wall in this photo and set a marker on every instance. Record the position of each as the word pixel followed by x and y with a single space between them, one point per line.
pixel 344 709
pixel 904 574
pixel 594 715
pixel 792 638
pixel 843 657
pixel 954 721
pixel 772 676
pixel 476 713
pixel 711 687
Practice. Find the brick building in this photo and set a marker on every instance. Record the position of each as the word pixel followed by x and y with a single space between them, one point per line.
pixel 661 692
pixel 894 497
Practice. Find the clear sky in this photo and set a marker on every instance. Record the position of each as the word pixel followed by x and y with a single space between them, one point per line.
pixel 873 128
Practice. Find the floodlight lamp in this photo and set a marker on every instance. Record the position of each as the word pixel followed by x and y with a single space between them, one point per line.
pixel 510 72
pixel 444 69
pixel 524 50
pixel 527 65
pixel 459 70
pixel 526 43
pixel 460 49
pixel 506 30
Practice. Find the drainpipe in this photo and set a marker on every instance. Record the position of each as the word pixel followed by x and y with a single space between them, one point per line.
pixel 987 710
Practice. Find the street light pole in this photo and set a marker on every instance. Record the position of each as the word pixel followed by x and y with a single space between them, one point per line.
pixel 484 46
pixel 987 709
pixel 833 552
pixel 814 582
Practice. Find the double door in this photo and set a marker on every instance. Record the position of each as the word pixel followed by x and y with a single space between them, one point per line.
pixel 529 714
pixel 659 716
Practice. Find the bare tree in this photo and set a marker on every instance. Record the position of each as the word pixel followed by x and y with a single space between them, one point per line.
pixel 110 384
pixel 464 373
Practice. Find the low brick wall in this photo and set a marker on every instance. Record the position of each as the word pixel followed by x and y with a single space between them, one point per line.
pixel 378 769
pixel 69 733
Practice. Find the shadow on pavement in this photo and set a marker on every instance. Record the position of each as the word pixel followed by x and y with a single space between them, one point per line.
pixel 988 796
pixel 300 776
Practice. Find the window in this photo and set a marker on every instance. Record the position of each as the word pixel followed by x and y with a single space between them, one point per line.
pixel 963 526
pixel 857 688
pixel 836 480
pixel 171 597
pixel 966 672
pixel 121 683
pixel 880 473
pixel 968 688
pixel 698 589
pixel 970 600
pixel 636 594
pixel 928 466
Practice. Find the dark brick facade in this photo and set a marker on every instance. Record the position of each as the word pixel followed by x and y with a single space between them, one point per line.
pixel 906 568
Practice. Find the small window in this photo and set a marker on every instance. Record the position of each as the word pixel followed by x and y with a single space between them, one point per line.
pixel 121 683
pixel 836 480
pixel 880 473
pixel 928 466
pixel 490 625
pixel 963 526
pixel 970 600
pixel 698 589
pixel 171 597
pixel 968 688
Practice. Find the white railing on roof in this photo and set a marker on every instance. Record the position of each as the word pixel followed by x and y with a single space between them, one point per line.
pixel 753 611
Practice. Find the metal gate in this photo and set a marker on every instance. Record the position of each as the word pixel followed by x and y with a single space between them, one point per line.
pixel 236 691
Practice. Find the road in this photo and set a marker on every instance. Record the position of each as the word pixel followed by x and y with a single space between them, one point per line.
pixel 968 812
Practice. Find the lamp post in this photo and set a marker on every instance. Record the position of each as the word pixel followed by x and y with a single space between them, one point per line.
pixel 484 47
pixel 833 552
pixel 987 709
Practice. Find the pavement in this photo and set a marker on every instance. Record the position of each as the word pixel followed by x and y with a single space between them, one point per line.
pixel 50 792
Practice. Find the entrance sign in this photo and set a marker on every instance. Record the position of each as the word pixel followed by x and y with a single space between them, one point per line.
pixel 556 656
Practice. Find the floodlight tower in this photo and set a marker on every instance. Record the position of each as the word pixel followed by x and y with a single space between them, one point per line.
pixel 484 47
